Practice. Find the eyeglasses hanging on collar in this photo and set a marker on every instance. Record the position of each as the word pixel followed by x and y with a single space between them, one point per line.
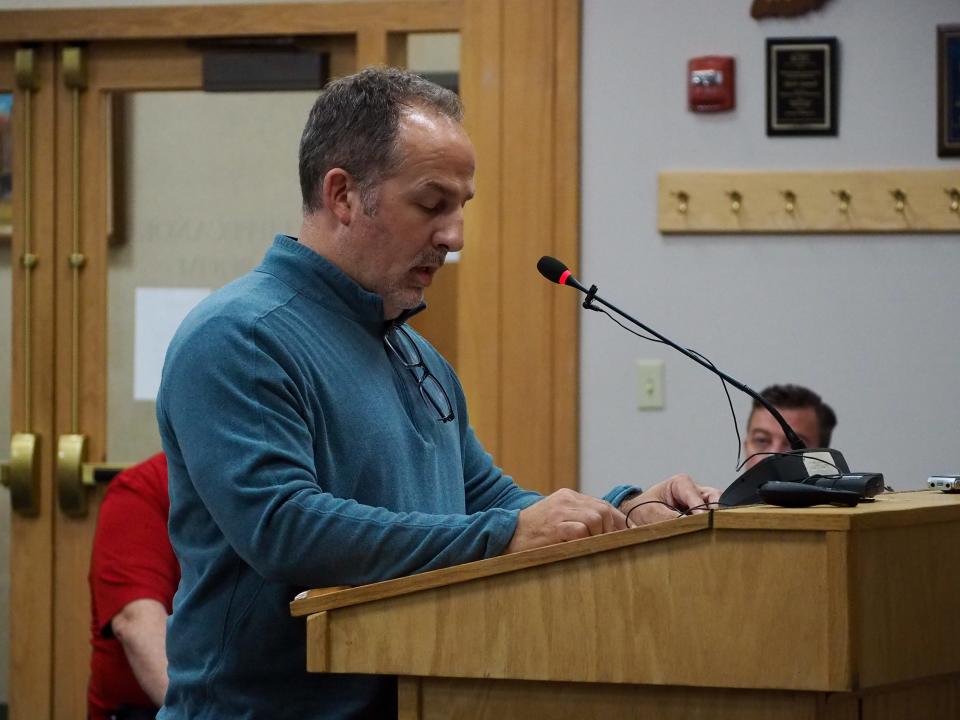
pixel 403 347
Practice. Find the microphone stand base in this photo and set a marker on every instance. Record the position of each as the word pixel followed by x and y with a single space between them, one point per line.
pixel 795 467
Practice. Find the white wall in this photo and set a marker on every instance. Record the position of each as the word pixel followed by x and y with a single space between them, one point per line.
pixel 871 322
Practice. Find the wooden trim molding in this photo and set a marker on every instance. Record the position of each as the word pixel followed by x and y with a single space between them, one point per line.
pixel 179 22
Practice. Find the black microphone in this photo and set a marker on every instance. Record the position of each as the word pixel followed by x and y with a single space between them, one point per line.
pixel 556 272
pixel 743 490
pixel 794 494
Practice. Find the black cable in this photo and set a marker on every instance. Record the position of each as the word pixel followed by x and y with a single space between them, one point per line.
pixel 788 454
pixel 628 329
pixel 680 513
pixel 653 502
pixel 706 505
pixel 726 390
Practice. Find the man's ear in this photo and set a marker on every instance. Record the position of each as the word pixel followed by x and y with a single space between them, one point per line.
pixel 339 194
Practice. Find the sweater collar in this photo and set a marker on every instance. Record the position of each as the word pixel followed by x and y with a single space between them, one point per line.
pixel 312 275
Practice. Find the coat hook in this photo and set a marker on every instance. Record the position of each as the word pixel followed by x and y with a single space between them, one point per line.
pixel 954 193
pixel 683 201
pixel 844 197
pixel 736 201
pixel 790 200
pixel 900 199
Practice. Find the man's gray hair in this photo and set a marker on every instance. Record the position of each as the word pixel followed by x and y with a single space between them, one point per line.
pixel 354 125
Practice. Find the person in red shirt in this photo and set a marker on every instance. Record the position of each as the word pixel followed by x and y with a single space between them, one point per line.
pixel 133 576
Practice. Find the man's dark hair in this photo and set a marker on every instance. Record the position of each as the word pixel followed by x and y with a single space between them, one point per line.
pixel 354 124
pixel 795 397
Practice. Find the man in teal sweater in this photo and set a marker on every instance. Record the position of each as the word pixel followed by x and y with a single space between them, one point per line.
pixel 313 439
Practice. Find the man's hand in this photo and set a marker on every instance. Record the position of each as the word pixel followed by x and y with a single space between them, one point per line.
pixel 564 515
pixel 678 492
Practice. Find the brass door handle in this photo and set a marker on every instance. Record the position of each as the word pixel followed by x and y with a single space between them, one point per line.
pixel 22 474
pixel 75 476
pixel 71 494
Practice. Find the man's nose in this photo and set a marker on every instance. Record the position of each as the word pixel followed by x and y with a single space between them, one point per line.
pixel 450 236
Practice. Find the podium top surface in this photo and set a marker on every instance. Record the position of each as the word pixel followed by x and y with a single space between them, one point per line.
pixel 889 510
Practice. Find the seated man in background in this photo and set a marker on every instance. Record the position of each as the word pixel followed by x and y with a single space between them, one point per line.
pixel 809 416
pixel 133 576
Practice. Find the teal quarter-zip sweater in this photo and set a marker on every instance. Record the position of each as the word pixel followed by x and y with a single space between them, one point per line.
pixel 301 454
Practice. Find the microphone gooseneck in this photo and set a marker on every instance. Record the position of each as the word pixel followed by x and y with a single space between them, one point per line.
pixel 557 272
pixel 799 470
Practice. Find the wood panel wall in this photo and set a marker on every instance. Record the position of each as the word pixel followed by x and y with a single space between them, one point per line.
pixel 518 356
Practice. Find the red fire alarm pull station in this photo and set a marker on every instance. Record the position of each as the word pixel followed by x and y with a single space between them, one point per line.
pixel 710 83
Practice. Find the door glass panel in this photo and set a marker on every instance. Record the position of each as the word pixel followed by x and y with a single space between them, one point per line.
pixel 6 318
pixel 435 56
pixel 205 182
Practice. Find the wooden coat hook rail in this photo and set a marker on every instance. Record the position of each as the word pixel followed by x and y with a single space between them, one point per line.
pixel 855 201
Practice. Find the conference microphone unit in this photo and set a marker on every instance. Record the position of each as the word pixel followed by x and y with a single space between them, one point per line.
pixel 801 465
pixel 792 494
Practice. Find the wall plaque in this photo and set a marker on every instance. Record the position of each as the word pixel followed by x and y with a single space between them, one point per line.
pixel 948 90
pixel 802 86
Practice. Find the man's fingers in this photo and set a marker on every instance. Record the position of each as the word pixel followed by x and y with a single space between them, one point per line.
pixel 564 515
pixel 648 514
pixel 617 518
pixel 598 517
pixel 612 519
pixel 684 493
pixel 678 492
pixel 572 530
pixel 710 494
pixel 590 517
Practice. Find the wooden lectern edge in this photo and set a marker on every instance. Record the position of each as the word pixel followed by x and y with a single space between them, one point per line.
pixel 312 601
pixel 889 510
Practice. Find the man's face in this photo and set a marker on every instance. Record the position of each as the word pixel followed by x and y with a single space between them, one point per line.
pixel 416 214
pixel 765 436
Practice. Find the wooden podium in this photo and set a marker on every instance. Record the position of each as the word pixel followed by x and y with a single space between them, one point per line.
pixel 758 612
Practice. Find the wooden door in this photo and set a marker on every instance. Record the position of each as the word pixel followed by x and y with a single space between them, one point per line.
pixel 510 335
pixel 29 73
